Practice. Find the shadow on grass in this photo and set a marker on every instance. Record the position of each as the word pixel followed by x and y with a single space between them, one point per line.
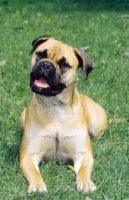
pixel 12 151
pixel 71 5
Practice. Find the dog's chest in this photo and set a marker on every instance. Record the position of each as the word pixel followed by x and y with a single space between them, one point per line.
pixel 63 142
pixel 62 136
pixel 58 131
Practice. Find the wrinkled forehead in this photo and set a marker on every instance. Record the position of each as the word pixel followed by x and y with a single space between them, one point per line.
pixel 57 50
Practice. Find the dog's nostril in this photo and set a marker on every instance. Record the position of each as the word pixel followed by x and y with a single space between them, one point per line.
pixel 46 66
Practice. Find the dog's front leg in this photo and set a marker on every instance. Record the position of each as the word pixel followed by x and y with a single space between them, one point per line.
pixel 29 165
pixel 83 167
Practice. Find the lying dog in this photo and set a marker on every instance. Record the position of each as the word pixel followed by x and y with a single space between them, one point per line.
pixel 58 120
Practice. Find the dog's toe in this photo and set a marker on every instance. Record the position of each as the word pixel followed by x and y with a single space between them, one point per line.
pixel 41 189
pixel 31 190
pixel 86 187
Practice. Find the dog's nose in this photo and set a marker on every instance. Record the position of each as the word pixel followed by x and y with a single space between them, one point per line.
pixel 46 66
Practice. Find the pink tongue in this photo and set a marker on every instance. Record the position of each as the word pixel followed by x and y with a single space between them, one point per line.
pixel 41 82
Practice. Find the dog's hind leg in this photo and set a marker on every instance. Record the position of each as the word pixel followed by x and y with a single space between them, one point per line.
pixel 22 118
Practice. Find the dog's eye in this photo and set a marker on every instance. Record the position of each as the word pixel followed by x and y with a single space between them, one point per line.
pixel 63 64
pixel 42 54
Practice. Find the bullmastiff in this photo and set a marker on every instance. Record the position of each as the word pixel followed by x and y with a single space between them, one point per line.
pixel 58 121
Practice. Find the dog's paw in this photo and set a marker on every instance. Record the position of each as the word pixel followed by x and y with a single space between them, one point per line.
pixel 41 189
pixel 85 186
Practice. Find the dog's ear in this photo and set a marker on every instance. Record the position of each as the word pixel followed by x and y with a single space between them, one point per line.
pixel 84 62
pixel 38 41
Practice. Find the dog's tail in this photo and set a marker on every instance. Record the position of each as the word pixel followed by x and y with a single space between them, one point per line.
pixel 118 120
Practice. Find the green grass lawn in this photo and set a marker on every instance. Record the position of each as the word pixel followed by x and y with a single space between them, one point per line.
pixel 104 27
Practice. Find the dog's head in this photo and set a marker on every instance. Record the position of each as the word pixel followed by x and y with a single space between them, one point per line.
pixel 54 65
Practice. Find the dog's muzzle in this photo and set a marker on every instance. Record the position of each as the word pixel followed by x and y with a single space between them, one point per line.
pixel 44 79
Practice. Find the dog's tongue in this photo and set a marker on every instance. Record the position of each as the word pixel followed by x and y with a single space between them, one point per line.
pixel 41 82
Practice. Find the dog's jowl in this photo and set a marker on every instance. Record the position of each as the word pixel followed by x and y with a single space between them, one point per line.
pixel 58 121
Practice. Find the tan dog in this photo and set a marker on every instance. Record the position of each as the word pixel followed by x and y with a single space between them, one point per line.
pixel 58 120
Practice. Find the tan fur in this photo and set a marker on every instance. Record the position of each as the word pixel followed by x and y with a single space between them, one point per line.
pixel 59 126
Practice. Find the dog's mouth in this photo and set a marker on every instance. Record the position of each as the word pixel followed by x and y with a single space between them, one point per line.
pixel 45 82
pixel 41 83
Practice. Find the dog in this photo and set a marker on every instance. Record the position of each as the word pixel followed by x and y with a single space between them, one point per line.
pixel 58 121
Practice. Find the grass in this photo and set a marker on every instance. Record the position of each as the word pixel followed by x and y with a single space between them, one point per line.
pixel 104 27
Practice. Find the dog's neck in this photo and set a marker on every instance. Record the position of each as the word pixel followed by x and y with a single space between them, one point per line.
pixel 66 97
